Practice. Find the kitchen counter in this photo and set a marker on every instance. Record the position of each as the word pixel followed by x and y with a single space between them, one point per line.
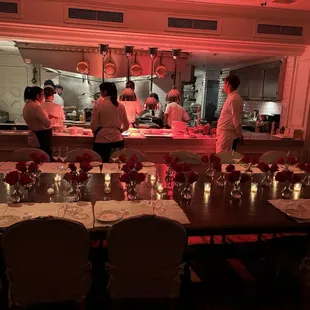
pixel 156 147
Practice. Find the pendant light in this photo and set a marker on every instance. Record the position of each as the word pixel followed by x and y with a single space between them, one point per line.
pixel 128 50
pixel 153 53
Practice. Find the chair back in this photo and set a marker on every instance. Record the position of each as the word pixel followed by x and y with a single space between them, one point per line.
pixel 230 157
pixel 272 157
pixel 47 261
pixel 79 152
pixel 145 257
pixel 187 157
pixel 24 154
pixel 128 153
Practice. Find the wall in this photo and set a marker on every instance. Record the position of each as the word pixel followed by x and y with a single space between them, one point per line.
pixel 264 107
pixel 222 94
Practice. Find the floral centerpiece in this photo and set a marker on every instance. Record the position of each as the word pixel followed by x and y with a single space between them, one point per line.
pixel 170 161
pixel 306 168
pixel 249 162
pixel 19 179
pixel 288 178
pixel 131 176
pixel 268 171
pixel 236 178
pixel 287 162
pixel 214 164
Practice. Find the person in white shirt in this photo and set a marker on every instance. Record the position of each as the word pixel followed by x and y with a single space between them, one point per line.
pixel 108 121
pixel 53 109
pixel 174 111
pixel 229 127
pixel 132 106
pixel 153 109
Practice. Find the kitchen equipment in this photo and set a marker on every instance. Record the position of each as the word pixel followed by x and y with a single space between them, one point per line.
pixel 4 116
pixel 136 68
pixel 110 67
pixel 82 67
pixel 161 70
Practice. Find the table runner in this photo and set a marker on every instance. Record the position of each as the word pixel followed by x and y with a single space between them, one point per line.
pixel 134 208
pixel 282 205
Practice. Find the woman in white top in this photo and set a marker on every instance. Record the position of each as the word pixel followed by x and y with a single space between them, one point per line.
pixel 53 109
pixel 37 120
pixel 131 104
pixel 108 121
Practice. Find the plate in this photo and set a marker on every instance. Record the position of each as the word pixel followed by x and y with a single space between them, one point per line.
pixel 147 164
pixel 80 216
pixel 7 220
pixel 298 214
pixel 108 216
pixel 74 210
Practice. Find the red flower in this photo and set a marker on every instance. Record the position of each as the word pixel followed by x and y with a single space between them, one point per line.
pixel 213 131
pixel 72 167
pixel 168 159
pixel 133 158
pixel 24 179
pixel 295 178
pixel 302 167
pixel 217 167
pixel 68 177
pixel 85 166
pixel 180 177
pixel 82 177
pixel 11 177
pixel 177 167
pixel 33 167
pixel 281 161
pixel 230 168
pixel 125 178
pixel 307 168
pixel 21 166
pixel 280 177
pixel 205 159
pixel 38 158
pixel 291 160
pixel 246 160
pixel 176 159
pixel 274 168
pixel 140 177
pixel 244 178
pixel 287 176
pixel 214 159
pixel 263 167
pixel 128 167
pixel 187 167
pixel 122 158
pixel 233 176
pixel 192 177
pixel 138 166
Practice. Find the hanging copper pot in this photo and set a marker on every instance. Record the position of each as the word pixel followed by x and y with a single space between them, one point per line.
pixel 161 70
pixel 136 69
pixel 110 68
pixel 82 67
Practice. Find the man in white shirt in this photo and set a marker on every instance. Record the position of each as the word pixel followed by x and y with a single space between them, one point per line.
pixel 229 127
pixel 175 112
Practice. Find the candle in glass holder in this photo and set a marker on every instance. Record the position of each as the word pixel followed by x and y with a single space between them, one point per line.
pixel 160 188
pixel 254 187
pixel 107 177
pixel 207 187
pixel 57 178
pixel 297 187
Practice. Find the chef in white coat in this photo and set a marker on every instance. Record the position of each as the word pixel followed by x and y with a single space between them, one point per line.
pixel 229 127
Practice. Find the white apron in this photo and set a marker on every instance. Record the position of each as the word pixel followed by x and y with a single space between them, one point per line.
pixel 224 140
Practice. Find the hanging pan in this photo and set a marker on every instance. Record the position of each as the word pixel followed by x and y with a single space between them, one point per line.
pixel 136 68
pixel 110 67
pixel 161 70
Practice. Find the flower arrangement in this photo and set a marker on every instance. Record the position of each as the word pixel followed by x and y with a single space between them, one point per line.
pixel 287 162
pixel 214 164
pixel 170 161
pixel 249 161
pixel 288 177
pixel 268 170
pixel 306 168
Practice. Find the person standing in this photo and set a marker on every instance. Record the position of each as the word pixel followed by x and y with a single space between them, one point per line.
pixel 229 127
pixel 38 121
pixel 108 121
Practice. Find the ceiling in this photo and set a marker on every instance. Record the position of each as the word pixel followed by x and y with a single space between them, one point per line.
pixel 283 4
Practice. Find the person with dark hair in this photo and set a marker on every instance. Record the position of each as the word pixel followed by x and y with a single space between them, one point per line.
pixel 153 109
pixel 108 121
pixel 27 93
pixel 53 109
pixel 229 127
pixel 38 121
pixel 132 106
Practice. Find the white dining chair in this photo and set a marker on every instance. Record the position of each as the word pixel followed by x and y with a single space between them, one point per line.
pixel 47 261
pixel 187 157
pixel 229 157
pixel 145 257
pixel 128 153
pixel 272 157
pixel 24 154
pixel 79 152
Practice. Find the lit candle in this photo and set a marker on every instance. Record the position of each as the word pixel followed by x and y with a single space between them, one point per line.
pixel 207 187
pixel 152 177
pixel 254 187
pixel 50 191
pixel 297 187
pixel 160 188
pixel 57 178
pixel 107 177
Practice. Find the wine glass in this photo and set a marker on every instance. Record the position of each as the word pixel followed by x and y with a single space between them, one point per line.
pixel 152 179
pixel 161 192
pixel 55 154
pixel 115 153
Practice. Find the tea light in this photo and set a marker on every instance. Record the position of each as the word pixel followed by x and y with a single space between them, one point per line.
pixel 254 187
pixel 57 178
pixel 50 191
pixel 207 187
pixel 297 187
pixel 107 177
pixel 160 188
pixel 152 177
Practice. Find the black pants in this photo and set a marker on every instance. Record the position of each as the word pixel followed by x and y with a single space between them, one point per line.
pixel 104 149
pixel 235 143
pixel 45 140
